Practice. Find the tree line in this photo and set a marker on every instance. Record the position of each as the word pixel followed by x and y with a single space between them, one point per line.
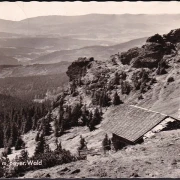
pixel 43 157
pixel 16 122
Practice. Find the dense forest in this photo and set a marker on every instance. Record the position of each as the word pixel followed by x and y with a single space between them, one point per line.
pixel 26 88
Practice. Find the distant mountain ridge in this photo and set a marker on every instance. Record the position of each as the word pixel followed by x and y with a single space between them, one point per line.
pixel 51 39
pixel 118 27
pixel 101 53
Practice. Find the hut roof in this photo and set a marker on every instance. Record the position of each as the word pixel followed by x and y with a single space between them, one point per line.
pixel 131 122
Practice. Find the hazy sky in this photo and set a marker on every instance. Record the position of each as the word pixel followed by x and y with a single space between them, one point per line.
pixel 22 10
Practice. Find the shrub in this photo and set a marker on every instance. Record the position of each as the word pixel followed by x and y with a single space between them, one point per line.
pixel 40 146
pixel 48 158
pixel 7 151
pixel 37 137
pixel 95 119
pixel 170 79
pixel 125 87
pixel 116 99
pixel 4 166
pixel 19 144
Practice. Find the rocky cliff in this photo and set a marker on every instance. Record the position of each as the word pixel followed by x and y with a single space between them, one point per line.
pixel 138 75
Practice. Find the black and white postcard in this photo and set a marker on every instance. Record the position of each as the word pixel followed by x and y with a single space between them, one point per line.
pixel 90 89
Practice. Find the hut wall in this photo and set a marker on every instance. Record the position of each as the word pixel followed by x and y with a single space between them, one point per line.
pixel 167 124
pixel 119 142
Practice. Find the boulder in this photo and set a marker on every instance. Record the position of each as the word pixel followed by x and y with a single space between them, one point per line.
pixel 173 36
pixel 156 39
pixel 76 171
pixel 46 175
pixel 126 57
pixel 134 175
pixel 149 56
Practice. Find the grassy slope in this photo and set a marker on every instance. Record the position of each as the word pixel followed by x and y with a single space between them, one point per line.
pixel 164 97
pixel 157 157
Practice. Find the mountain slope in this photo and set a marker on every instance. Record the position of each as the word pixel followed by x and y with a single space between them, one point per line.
pixel 148 160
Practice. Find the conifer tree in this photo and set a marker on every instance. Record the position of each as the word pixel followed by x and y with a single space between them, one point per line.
pixel 58 146
pixel 97 116
pixel 19 122
pixel 69 111
pixel 7 150
pixel 76 113
pixel 14 134
pixel 34 122
pixel 19 143
pixel 116 79
pixel 4 166
pixel 47 148
pixel 100 111
pixel 85 114
pixel 106 143
pixel 90 116
pixel 37 137
pixel 116 99
pixel 1 136
pixel 96 119
pixel 1 168
pixel 61 120
pixel 40 148
pixel 43 109
pixel 24 156
pixel 27 125
pixel 56 128
pixel 67 117
pixel 104 99
pixel 46 127
pixel 6 134
pixel 73 87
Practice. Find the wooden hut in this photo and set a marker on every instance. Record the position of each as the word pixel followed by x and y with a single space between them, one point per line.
pixel 131 124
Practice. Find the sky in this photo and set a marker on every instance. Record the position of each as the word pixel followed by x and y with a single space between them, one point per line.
pixel 21 10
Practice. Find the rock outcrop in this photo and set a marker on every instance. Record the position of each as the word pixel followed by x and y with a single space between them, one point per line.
pixel 127 57
pixel 150 54
pixel 156 39
pixel 78 68
pixel 173 36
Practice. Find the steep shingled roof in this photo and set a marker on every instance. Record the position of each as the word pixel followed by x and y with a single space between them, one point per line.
pixel 131 122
